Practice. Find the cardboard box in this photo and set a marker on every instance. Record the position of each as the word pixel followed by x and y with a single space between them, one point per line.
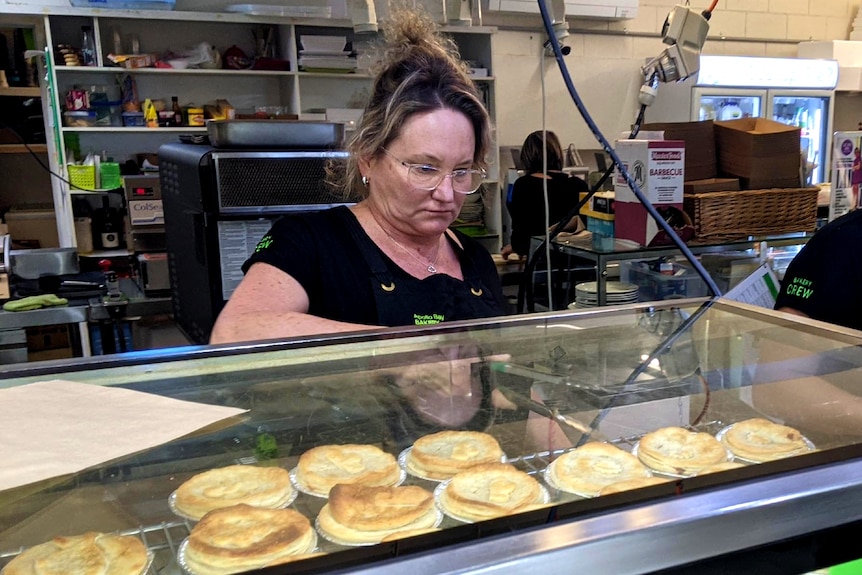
pixel 711 185
pixel 699 138
pixel 762 153
pixel 33 226
pixel 658 168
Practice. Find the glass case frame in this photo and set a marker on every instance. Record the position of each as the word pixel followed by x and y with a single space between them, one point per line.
pixel 607 374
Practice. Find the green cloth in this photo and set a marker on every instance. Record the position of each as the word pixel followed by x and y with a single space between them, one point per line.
pixel 34 302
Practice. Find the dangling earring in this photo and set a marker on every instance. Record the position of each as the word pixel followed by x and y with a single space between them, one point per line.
pixel 365 181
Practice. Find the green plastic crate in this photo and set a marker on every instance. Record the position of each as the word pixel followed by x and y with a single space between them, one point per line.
pixel 110 176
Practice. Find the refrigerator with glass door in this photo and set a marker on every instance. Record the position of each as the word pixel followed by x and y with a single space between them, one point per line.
pixel 794 91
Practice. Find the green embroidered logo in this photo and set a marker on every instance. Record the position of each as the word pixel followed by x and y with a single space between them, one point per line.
pixel 264 243
pixel 427 319
pixel 800 287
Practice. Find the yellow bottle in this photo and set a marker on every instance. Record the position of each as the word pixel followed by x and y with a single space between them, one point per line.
pixel 151 117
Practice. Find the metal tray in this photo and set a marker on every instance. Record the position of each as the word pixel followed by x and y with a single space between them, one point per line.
pixel 281 134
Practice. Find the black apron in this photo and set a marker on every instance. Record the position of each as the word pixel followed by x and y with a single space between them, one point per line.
pixel 437 298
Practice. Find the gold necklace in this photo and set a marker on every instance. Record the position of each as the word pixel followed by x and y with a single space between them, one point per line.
pixel 431 266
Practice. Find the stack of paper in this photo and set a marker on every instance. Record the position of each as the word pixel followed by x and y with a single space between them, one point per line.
pixel 325 54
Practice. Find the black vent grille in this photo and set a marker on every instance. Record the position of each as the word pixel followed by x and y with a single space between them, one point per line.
pixel 249 182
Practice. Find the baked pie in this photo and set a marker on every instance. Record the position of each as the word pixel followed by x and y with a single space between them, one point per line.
pixel 680 451
pixel 267 487
pixel 488 491
pixel 241 538
pixel 92 553
pixel 760 440
pixel 441 455
pixel 589 468
pixel 361 515
pixel 321 468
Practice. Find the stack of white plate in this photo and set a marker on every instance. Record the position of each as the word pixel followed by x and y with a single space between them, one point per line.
pixel 616 293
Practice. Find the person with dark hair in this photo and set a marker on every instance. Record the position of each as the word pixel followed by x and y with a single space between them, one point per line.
pixel 391 259
pixel 542 158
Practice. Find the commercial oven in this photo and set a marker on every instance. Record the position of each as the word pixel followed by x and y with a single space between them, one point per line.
pixel 218 203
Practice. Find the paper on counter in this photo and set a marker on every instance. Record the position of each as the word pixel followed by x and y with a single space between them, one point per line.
pixel 52 428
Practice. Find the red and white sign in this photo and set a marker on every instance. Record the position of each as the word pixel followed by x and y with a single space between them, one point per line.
pixel 658 168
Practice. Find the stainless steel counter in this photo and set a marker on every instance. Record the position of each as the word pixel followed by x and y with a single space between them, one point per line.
pixel 45 316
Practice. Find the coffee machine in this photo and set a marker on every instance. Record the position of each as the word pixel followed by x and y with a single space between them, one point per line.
pixel 146 232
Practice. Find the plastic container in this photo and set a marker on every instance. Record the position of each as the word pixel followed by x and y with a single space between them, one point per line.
pixel 126 4
pixel 80 118
pixel 108 114
pixel 82 177
pixel 109 174
pixel 133 119
pixel 654 285
pixel 603 233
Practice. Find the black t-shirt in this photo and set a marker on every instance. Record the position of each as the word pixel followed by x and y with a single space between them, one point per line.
pixel 319 250
pixel 527 208
pixel 824 280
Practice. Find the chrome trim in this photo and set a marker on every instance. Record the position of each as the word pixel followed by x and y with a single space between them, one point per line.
pixel 662 534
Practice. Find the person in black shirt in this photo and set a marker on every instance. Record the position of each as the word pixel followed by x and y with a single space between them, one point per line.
pixel 527 207
pixel 389 260
pixel 824 280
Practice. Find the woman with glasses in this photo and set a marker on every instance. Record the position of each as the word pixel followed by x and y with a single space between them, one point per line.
pixel 542 159
pixel 389 260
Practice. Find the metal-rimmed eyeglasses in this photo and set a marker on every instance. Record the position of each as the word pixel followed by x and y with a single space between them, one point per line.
pixel 428 178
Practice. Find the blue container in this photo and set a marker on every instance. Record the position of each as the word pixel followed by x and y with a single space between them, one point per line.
pixel 126 4
pixel 603 233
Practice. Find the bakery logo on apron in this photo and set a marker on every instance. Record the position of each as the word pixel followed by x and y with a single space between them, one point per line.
pixel 427 319
pixel 264 243
pixel 800 287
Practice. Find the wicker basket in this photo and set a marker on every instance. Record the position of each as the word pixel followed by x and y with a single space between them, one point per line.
pixel 727 216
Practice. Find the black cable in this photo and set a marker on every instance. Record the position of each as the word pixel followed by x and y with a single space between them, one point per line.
pixel 662 223
pixel 48 168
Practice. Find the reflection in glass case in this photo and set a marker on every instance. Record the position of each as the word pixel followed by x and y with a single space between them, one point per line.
pixel 662 384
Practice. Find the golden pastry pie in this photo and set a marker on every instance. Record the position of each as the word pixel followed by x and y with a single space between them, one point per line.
pixel 761 440
pixel 89 554
pixel 441 455
pixel 589 468
pixel 321 468
pixel 241 538
pixel 679 451
pixel 629 484
pixel 361 515
pixel 490 490
pixel 267 487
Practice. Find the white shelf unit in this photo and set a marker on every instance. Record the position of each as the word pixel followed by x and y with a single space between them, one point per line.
pixel 296 91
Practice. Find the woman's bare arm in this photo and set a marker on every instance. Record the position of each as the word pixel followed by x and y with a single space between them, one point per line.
pixel 270 304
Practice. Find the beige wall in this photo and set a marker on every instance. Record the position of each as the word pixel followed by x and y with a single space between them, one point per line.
pixel 606 57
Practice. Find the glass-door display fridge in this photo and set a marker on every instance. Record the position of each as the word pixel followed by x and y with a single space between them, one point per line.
pixel 795 91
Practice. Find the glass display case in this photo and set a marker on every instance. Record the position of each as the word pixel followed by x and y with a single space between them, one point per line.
pixel 542 385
